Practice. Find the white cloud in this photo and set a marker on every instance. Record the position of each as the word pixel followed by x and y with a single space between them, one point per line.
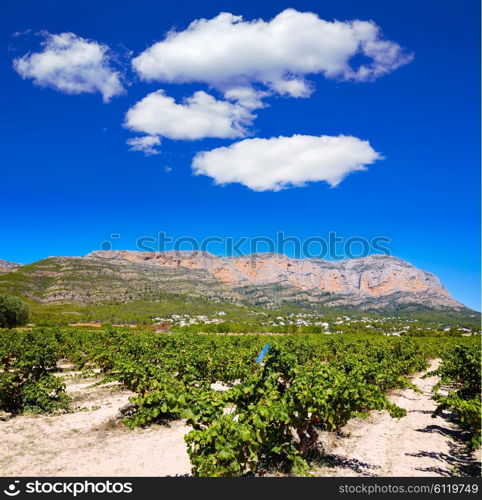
pixel 71 64
pixel 281 162
pixel 146 144
pixel 227 52
pixel 246 96
pixel 198 116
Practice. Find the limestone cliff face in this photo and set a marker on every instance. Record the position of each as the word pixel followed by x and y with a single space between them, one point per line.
pixel 375 276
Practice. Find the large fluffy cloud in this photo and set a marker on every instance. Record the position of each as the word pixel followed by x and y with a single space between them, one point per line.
pixel 227 52
pixel 71 64
pixel 281 162
pixel 198 116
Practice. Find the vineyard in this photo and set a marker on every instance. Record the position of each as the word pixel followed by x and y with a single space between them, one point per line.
pixel 246 415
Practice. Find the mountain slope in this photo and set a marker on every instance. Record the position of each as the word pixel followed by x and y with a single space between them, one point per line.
pixel 62 280
pixel 267 280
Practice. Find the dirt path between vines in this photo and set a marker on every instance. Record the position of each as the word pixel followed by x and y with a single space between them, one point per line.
pixel 91 442
pixel 415 445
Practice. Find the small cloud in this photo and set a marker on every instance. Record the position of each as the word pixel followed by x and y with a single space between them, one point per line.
pixel 283 162
pixel 167 169
pixel 16 34
pixel 145 144
pixel 196 117
pixel 71 64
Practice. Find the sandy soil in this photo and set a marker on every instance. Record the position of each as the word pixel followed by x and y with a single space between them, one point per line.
pixel 91 442
pixel 416 445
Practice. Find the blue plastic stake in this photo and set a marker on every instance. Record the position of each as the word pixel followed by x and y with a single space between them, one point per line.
pixel 262 354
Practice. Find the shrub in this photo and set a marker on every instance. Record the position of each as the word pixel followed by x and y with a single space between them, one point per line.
pixel 13 312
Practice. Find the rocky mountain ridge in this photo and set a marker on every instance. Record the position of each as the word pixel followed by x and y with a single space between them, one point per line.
pixel 6 266
pixel 266 280
pixel 372 277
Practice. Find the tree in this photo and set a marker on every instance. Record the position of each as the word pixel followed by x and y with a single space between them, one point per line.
pixel 13 312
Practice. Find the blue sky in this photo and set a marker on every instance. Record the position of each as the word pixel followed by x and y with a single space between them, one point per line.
pixel 69 181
